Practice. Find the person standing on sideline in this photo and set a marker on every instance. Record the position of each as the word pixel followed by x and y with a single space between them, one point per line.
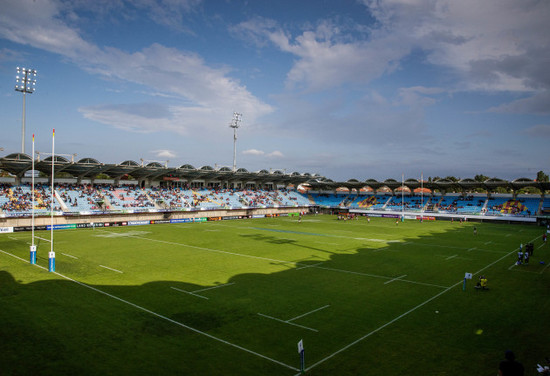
pixel 510 366
pixel 475 230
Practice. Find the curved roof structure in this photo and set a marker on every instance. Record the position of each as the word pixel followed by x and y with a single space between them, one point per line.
pixel 19 163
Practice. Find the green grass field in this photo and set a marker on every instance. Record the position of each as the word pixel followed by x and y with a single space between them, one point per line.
pixel 235 297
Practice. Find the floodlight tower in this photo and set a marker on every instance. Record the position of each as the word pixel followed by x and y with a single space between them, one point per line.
pixel 25 82
pixel 237 118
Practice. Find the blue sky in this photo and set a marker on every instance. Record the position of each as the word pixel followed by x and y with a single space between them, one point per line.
pixel 346 89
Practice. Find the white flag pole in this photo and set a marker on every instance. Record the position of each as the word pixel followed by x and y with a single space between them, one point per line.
pixel 32 178
pixel 51 258
pixel 33 247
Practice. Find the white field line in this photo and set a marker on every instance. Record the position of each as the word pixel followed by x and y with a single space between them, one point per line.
pixel 470 249
pixel 283 261
pixel 309 266
pixel 542 245
pixel 286 322
pixel 308 313
pixel 377 276
pixel 395 279
pixel 190 293
pixel 114 270
pixel 451 257
pixel 49 241
pixel 455 247
pixel 408 312
pixel 214 287
pixel 544 269
pixel 162 317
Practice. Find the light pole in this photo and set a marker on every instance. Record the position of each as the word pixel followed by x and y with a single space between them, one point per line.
pixel 25 82
pixel 235 124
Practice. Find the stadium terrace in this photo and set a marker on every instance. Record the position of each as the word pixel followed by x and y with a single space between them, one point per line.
pixel 155 192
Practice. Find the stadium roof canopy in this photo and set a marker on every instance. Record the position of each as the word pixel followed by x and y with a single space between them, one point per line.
pixel 88 168
pixel 441 184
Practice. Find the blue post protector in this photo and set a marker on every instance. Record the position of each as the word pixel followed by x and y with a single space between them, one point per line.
pixel 33 254
pixel 51 261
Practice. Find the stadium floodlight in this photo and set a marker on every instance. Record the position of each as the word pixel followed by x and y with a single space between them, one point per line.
pixel 25 82
pixel 237 118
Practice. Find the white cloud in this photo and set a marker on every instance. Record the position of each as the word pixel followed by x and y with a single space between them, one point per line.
pixel 275 154
pixel 478 39
pixel 253 152
pixel 208 96
pixel 164 153
pixel 258 153
pixel 325 59
pixel 492 44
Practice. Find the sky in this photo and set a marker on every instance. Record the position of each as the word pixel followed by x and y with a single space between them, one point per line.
pixel 347 89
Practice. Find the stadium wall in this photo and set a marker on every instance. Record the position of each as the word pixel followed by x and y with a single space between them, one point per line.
pixel 164 217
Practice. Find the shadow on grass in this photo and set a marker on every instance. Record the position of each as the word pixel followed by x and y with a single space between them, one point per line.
pixel 56 327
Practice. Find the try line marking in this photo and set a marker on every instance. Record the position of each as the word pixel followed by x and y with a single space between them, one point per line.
pixel 160 316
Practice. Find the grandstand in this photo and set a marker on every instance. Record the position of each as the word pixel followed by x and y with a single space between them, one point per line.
pixel 133 188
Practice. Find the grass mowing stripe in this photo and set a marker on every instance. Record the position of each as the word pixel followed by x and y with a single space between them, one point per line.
pixel 161 316
pixel 409 311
